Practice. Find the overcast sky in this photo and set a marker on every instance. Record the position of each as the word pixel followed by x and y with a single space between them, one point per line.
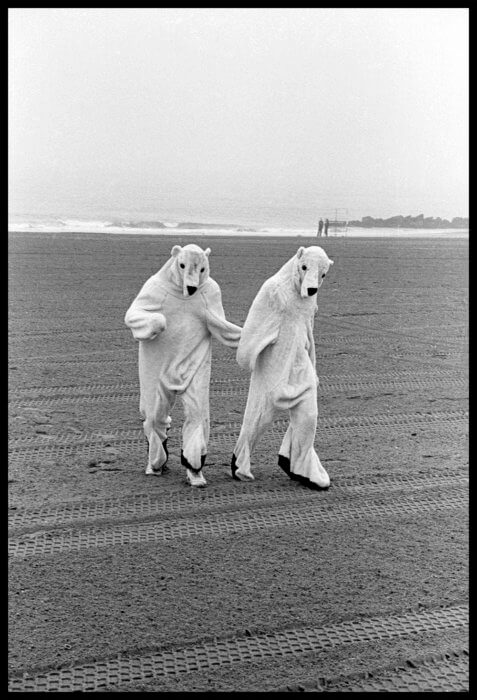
pixel 367 107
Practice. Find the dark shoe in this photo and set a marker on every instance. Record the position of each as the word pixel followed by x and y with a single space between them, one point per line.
pixel 284 463
pixel 306 482
pixel 233 467
pixel 186 464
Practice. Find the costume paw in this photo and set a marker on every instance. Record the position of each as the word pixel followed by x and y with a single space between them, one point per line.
pixel 240 475
pixel 244 476
pixel 195 478
pixel 321 486
pixel 158 323
pixel 157 471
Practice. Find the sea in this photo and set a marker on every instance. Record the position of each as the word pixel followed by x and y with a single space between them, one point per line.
pixel 135 223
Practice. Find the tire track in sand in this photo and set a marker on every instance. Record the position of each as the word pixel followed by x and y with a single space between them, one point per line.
pixel 125 391
pixel 88 444
pixel 145 505
pixel 288 515
pixel 291 644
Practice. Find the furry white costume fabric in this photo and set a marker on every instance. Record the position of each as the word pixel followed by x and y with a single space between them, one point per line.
pixel 174 317
pixel 278 348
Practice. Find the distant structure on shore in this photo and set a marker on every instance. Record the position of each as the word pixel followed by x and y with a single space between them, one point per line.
pixel 419 221
pixel 338 223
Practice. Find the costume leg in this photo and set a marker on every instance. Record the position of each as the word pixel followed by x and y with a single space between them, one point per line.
pixel 155 407
pixel 196 427
pixel 297 456
pixel 259 413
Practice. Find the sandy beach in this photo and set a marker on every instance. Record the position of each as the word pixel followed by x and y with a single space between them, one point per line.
pixel 258 585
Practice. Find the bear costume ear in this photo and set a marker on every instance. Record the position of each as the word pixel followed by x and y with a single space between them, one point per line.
pixel 176 250
pixel 332 262
pixel 300 252
pixel 207 252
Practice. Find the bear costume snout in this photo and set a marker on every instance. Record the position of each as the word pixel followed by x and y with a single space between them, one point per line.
pixel 312 290
pixel 191 290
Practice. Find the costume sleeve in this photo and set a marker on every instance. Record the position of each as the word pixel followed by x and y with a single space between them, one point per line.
pixel 261 328
pixel 311 343
pixel 144 316
pixel 224 331
pixel 311 347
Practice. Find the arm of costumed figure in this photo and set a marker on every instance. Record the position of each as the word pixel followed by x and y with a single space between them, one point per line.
pixel 261 328
pixel 311 346
pixel 224 331
pixel 143 316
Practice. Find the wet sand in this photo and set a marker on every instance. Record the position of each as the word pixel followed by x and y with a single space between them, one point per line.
pixel 108 563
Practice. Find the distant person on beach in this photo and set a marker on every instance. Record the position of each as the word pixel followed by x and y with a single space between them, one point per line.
pixel 327 223
pixel 320 227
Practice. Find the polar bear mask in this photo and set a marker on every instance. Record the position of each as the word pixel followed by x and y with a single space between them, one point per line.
pixel 189 268
pixel 311 265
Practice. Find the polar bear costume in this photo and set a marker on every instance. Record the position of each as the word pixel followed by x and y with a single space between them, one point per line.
pixel 174 317
pixel 278 348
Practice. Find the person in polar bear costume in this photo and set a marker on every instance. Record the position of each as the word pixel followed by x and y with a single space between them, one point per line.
pixel 174 317
pixel 278 348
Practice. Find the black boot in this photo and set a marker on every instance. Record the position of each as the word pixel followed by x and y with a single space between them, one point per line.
pixel 233 467
pixel 284 463
pixel 186 464
pixel 164 467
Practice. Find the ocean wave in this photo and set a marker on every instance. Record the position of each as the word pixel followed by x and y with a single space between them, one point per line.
pixel 136 224
pixel 182 226
pixel 111 225
pixel 191 225
pixel 117 226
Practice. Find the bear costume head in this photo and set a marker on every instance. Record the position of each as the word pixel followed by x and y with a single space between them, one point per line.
pixel 189 267
pixel 310 267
